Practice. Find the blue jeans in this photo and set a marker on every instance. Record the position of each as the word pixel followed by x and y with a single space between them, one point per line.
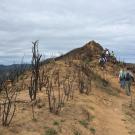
pixel 122 84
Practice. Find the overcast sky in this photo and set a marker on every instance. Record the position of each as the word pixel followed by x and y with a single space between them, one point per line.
pixel 61 25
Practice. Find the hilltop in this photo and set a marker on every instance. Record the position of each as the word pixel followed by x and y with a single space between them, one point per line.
pixel 90 99
pixel 89 50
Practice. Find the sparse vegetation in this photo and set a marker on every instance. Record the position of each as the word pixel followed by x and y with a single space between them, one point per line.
pixel 84 123
pixel 51 86
pixel 9 96
pixel 93 130
pixel 77 132
pixel 92 108
pixel 8 107
pixel 92 117
pixel 56 123
pixel 51 131
pixel 63 121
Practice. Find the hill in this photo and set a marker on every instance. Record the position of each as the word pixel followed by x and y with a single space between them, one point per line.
pixel 89 50
pixel 76 97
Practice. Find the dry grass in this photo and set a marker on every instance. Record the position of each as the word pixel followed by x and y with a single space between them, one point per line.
pixel 91 114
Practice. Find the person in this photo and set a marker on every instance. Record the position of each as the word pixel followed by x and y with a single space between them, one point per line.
pixel 107 54
pixel 113 58
pixel 103 54
pixel 112 54
pixel 102 62
pixel 129 78
pixel 122 78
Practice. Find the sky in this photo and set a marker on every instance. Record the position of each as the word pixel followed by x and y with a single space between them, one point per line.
pixel 62 25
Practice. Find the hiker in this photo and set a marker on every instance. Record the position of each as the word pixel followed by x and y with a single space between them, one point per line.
pixel 122 78
pixel 102 62
pixel 113 58
pixel 107 54
pixel 112 54
pixel 129 78
pixel 103 55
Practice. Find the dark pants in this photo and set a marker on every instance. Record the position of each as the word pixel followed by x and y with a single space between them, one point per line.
pixel 128 88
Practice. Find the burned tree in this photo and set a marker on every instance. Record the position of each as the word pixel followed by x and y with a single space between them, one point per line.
pixel 9 90
pixel 84 74
pixel 8 104
pixel 34 85
pixel 53 90
pixel 59 86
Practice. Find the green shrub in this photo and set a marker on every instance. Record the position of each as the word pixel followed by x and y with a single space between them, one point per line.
pixel 92 117
pixel 93 130
pixel 77 133
pixel 84 123
pixel 51 131
pixel 63 120
pixel 56 123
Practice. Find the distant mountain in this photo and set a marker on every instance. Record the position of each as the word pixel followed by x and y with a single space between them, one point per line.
pixel 9 72
pixel 13 67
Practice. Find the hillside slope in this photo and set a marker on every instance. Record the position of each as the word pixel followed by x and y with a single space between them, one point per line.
pixel 104 110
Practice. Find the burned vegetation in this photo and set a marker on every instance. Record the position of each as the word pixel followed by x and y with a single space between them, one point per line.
pixel 58 80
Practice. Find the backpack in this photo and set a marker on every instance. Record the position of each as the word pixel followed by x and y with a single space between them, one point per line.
pixel 101 60
pixel 132 78
pixel 128 77
pixel 122 76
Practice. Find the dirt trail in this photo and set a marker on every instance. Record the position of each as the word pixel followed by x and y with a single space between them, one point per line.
pixel 111 120
pixel 110 113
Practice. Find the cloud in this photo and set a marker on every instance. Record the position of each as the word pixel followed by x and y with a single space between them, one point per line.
pixel 63 25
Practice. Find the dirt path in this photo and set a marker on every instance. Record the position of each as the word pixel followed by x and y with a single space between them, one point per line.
pixel 114 118
pixel 111 116
pixel 109 112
